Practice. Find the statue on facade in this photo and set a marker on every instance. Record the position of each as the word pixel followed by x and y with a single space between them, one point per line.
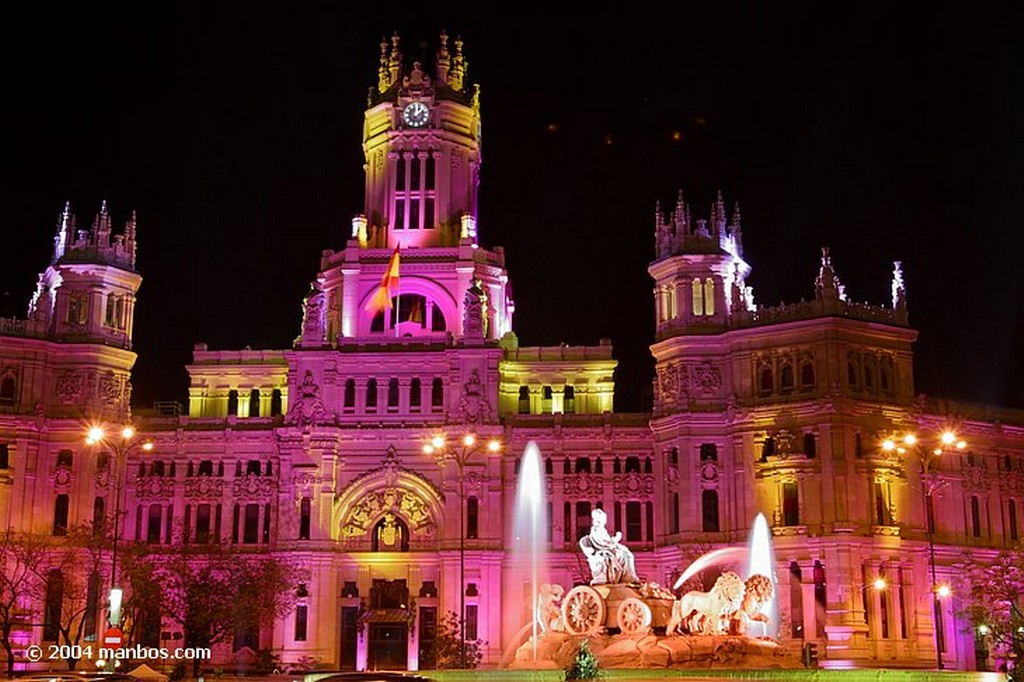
pixel 610 561
pixel 313 309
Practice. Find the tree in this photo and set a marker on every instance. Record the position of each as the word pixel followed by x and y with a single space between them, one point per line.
pixel 993 603
pixel 584 666
pixel 79 563
pixel 20 554
pixel 213 591
pixel 448 649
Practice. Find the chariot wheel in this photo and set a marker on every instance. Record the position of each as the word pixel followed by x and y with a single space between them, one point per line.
pixel 634 617
pixel 583 610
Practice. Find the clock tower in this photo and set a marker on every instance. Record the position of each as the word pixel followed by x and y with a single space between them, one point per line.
pixel 421 139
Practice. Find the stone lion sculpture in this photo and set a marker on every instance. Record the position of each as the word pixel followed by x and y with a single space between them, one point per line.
pixel 758 592
pixel 708 613
pixel 549 613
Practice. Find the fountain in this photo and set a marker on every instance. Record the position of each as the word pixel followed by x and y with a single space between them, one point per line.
pixel 527 528
pixel 633 623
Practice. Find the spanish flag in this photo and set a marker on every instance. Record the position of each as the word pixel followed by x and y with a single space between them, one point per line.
pixel 388 288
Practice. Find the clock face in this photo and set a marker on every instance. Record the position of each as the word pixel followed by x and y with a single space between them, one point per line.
pixel 415 114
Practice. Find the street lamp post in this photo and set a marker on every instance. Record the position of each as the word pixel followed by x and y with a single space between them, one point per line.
pixel 927 455
pixel 121 443
pixel 469 445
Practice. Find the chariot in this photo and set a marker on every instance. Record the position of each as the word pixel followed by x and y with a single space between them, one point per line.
pixel 631 608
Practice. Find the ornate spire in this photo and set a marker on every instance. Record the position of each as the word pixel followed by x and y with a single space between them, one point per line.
pixel 383 72
pixel 395 62
pixel 129 239
pixel 65 227
pixel 457 76
pixel 444 60
pixel 101 227
pixel 899 291
pixel 827 286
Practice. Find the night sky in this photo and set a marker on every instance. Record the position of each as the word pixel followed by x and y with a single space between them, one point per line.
pixel 883 131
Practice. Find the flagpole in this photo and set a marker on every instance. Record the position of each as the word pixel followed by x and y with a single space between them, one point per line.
pixel 398 298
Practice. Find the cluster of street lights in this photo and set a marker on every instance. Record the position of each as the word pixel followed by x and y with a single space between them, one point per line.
pixel 460 453
pixel 927 453
pixel 120 443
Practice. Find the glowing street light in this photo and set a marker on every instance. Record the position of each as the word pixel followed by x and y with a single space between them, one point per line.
pixel 97 435
pixel 441 451
pixel 927 454
pixel 879 583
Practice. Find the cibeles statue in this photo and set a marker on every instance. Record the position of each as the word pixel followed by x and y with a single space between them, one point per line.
pixel 610 561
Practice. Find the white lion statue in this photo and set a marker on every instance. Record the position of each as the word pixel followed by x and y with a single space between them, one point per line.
pixel 708 613
pixel 549 613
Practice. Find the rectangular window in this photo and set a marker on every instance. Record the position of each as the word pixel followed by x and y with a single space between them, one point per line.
pixel 266 523
pixel 304 518
pixel 709 511
pixel 414 214
pixel 583 519
pixel 1012 517
pixel 202 523
pixel 790 504
pixel 153 524
pixel 301 613
pixel 567 523
pixel 471 621
pixel 472 518
pixel 400 174
pixel 975 517
pixel 883 513
pixel 400 214
pixel 634 522
pixel 431 163
pixel 250 532
pixel 415 166
pixel 428 213
pixel 5 456
pixel 60 515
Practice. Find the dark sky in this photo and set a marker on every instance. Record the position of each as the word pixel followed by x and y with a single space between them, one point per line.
pixel 881 130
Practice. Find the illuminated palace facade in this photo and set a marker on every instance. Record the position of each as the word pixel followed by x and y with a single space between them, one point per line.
pixel 315 452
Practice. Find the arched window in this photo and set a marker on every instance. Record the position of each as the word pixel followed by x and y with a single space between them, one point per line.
pixel 852 375
pixel 524 400
pixel 232 402
pixel 7 390
pixel 254 402
pixel 648 465
pixel 437 323
pixel 472 518
pixel 786 377
pixel 567 466
pixel 252 468
pixel 153 524
pixel 390 535
pixel 807 375
pixel 569 400
pixel 869 375
pixel 582 465
pixel 53 605
pixel 709 510
pixel 371 394
pixel 276 406
pixel 437 394
pixel 304 518
pixel 767 382
pixel 156 468
pixel 1012 518
pixel 64 459
pixel 598 466
pixel 99 515
pixel 400 167
pixel 810 446
pixel 697 297
pixel 350 394
pixel 975 517
pixel 709 296
pixel 392 394
pixel 632 465
pixel 377 323
pixel 409 308
pixel 415 394
pixel 708 452
pixel 885 377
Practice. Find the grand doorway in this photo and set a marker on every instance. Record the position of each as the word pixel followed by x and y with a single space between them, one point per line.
pixel 388 623
pixel 389 646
